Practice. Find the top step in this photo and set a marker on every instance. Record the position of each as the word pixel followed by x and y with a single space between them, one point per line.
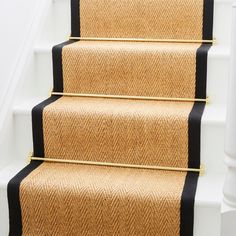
pixel 160 19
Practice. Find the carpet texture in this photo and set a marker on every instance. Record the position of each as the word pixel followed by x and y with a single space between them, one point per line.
pixel 47 198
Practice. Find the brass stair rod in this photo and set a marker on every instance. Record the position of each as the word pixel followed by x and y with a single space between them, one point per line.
pixel 144 40
pixel 130 97
pixel 213 41
pixel 120 165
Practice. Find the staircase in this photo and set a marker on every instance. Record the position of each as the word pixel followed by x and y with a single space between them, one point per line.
pixel 36 82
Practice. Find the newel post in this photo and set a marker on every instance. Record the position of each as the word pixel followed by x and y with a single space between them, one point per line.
pixel 230 134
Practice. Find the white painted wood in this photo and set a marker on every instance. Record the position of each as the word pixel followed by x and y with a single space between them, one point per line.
pixel 228 217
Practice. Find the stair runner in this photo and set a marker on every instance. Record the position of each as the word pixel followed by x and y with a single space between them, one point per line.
pixel 49 198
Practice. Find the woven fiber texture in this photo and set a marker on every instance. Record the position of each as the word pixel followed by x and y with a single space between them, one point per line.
pixel 120 131
pixel 142 69
pixel 178 19
pixel 66 199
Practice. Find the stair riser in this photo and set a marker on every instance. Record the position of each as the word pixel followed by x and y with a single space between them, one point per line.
pixel 7 147
pixel 207 221
pixel 218 75
pixel 61 10
pixel 24 144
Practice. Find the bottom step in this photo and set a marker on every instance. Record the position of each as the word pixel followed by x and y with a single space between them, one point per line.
pixel 207 205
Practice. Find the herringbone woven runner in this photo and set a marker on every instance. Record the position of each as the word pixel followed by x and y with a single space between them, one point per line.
pixel 100 201
pixel 72 199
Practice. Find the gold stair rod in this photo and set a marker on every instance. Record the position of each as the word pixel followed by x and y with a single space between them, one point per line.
pixel 130 97
pixel 213 41
pixel 120 165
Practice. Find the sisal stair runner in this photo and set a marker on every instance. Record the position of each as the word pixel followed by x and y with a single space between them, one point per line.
pixel 99 196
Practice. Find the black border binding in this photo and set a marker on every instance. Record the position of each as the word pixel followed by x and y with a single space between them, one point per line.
pixel 187 204
pixel 201 70
pixel 75 18
pixel 13 195
pixel 194 135
pixel 194 125
pixel 57 66
pixel 37 126
pixel 208 12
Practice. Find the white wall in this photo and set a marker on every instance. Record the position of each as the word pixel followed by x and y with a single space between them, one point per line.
pixel 16 17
